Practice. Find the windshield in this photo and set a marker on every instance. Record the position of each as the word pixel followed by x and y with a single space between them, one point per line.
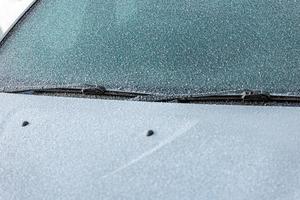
pixel 171 46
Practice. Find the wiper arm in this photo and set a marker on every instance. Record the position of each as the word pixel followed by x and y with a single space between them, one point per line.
pixel 247 96
pixel 254 96
pixel 80 90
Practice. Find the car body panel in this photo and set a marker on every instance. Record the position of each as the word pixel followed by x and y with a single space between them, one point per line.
pixel 77 148
pixel 10 12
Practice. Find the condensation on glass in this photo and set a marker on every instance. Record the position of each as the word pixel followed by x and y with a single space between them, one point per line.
pixel 172 46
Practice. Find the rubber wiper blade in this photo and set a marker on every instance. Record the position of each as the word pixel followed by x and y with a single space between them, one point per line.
pixel 247 96
pixel 80 90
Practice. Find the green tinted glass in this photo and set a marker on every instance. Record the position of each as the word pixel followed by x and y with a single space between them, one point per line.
pixel 170 46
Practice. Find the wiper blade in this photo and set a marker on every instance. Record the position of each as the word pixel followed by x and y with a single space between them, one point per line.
pixel 240 96
pixel 80 90
pixel 247 96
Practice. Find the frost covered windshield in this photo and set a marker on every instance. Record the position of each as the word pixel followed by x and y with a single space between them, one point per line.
pixel 170 46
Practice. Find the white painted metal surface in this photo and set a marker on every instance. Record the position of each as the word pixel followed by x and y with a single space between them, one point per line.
pixel 98 149
pixel 10 12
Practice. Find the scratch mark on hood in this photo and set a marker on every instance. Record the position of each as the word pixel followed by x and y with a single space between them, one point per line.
pixel 167 141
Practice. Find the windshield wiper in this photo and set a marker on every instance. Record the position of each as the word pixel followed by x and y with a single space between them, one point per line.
pixel 247 96
pixel 79 90
pixel 240 96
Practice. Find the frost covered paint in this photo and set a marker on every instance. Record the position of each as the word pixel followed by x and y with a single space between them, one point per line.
pixel 75 148
pixel 10 12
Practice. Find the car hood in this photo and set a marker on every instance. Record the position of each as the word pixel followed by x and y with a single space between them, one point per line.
pixel 98 149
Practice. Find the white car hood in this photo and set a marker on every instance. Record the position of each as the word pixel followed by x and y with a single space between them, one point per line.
pixel 98 149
